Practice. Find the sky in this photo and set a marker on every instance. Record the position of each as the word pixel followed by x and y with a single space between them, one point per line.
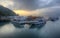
pixel 28 4
pixel 24 7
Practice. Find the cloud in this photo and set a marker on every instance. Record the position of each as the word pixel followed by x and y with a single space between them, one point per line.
pixel 29 4
pixel 7 3
pixel 49 11
pixel 26 4
pixel 34 4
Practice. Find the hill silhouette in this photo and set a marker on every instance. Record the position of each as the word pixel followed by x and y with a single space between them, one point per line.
pixel 6 12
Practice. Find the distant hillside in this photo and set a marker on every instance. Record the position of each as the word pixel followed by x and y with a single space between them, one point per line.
pixel 6 12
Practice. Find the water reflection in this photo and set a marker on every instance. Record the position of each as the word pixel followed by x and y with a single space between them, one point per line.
pixel 9 30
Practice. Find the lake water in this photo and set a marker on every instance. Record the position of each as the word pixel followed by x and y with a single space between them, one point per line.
pixel 9 30
pixel 51 29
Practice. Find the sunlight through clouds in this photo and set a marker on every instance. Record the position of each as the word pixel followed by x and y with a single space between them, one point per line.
pixel 7 3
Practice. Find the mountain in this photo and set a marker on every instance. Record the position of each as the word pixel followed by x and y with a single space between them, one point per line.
pixel 6 12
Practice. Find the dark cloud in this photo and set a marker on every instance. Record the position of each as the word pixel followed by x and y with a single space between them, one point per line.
pixel 34 4
pixel 26 4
